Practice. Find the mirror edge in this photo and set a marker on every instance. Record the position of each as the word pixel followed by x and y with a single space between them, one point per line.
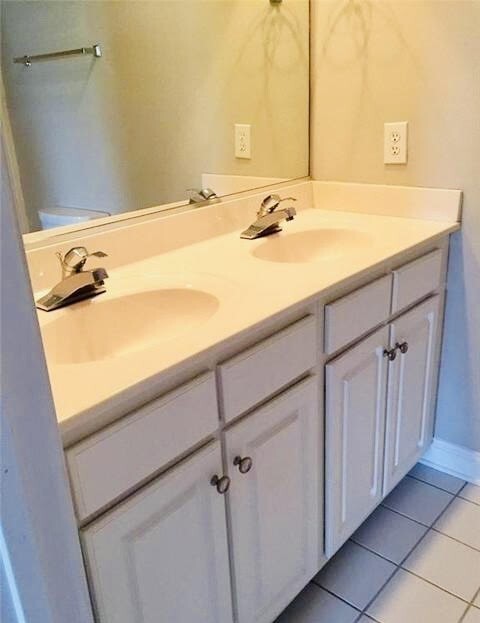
pixel 47 237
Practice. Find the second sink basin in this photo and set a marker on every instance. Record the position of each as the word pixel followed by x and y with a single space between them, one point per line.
pixel 311 246
pixel 111 326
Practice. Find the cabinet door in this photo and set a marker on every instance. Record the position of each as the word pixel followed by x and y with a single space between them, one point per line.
pixel 162 556
pixel 274 507
pixel 354 440
pixel 410 402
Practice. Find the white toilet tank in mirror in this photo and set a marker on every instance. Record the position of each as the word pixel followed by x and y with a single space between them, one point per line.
pixel 60 216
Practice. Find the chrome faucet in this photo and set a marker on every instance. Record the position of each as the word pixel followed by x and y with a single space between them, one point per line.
pixel 198 195
pixel 76 284
pixel 268 217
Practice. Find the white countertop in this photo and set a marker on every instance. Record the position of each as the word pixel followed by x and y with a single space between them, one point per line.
pixel 248 289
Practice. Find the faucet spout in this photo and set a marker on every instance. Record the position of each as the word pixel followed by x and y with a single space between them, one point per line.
pixel 269 218
pixel 78 285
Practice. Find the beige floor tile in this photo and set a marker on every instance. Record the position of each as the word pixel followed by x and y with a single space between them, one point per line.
pixel 446 563
pixel 408 598
pixel 477 600
pixel 471 492
pixel 472 616
pixel 461 521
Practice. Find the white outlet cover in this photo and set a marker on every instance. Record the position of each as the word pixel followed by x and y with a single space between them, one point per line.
pixel 395 142
pixel 243 142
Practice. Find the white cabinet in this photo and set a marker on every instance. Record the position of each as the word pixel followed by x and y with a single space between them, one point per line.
pixel 354 440
pixel 162 556
pixel 179 550
pixel 379 416
pixel 410 390
pixel 275 509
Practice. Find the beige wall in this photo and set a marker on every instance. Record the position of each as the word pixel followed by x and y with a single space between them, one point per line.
pixel 378 61
pixel 140 125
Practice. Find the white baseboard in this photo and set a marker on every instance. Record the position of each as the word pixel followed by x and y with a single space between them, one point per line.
pixel 455 460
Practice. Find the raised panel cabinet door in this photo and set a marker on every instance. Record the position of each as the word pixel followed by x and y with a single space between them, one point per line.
pixel 162 556
pixel 275 501
pixel 354 437
pixel 410 404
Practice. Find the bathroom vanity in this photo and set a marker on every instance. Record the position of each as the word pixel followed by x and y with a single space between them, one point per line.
pixel 215 471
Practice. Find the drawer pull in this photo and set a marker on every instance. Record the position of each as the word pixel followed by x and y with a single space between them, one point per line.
pixel 244 464
pixel 221 483
pixel 390 354
pixel 402 347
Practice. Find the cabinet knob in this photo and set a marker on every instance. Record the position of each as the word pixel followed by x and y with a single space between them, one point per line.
pixel 244 464
pixel 390 354
pixel 222 483
pixel 402 347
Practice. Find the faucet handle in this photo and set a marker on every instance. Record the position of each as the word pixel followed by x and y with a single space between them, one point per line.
pixel 271 203
pixel 74 260
pixel 98 254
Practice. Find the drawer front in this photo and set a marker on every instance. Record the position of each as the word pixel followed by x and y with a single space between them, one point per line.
pixel 259 372
pixel 416 279
pixel 353 315
pixel 112 462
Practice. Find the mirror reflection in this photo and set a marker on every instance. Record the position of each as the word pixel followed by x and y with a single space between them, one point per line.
pixel 116 106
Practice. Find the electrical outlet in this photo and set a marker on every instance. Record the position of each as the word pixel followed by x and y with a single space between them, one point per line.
pixel 243 145
pixel 395 142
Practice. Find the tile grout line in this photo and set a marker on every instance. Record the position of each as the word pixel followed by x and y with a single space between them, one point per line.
pixel 458 494
pixel 437 531
pixel 426 482
pixel 467 500
pixel 342 599
pixel 477 594
pixel 406 516
pixel 432 527
pixel 470 606
pixel 462 618
pixel 397 564
pixel 465 601
pixel 464 487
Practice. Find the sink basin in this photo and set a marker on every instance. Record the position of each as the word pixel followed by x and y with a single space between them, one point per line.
pixel 102 328
pixel 311 246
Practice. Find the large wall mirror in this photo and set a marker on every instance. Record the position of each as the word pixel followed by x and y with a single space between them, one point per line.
pixel 113 106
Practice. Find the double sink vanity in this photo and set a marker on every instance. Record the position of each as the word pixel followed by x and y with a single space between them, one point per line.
pixel 232 410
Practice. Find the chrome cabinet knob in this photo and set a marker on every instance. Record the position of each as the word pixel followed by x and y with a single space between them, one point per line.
pixel 222 483
pixel 402 347
pixel 390 354
pixel 244 464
